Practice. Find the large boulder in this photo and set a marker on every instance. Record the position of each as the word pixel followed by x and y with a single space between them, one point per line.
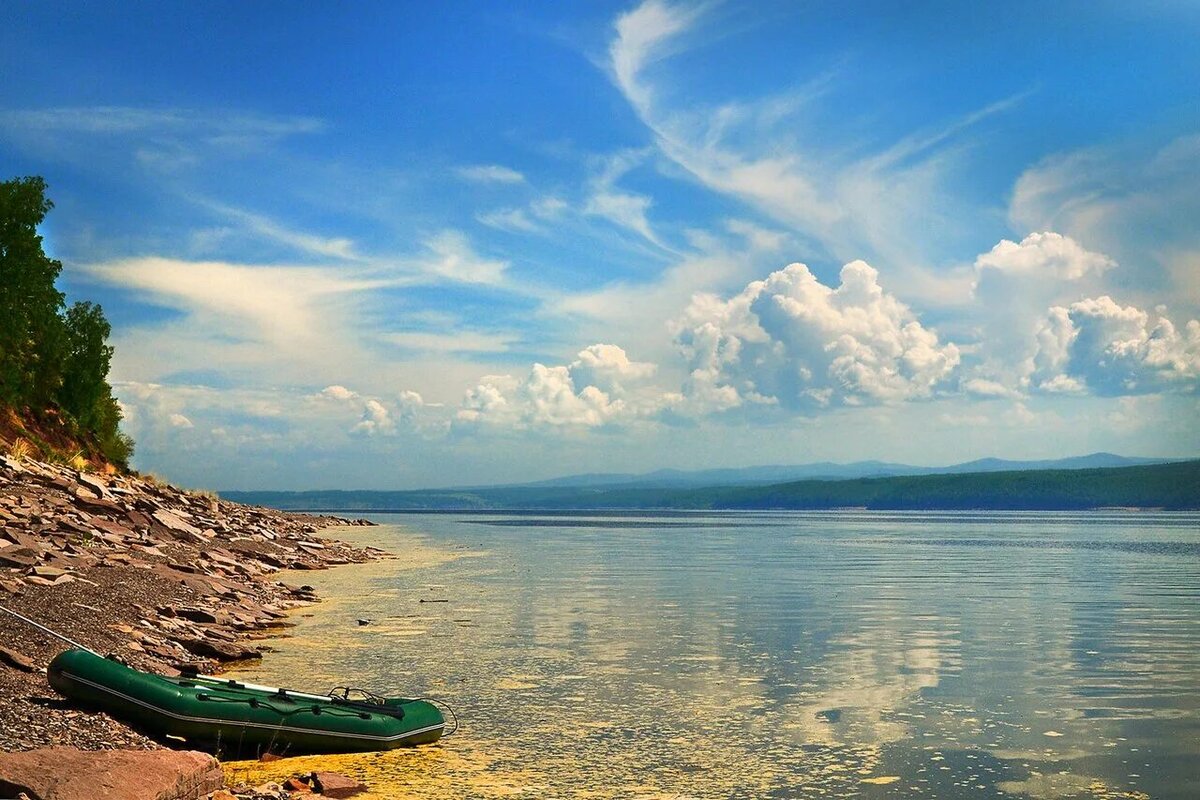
pixel 65 773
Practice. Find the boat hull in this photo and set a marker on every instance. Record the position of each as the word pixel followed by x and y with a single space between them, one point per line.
pixel 235 717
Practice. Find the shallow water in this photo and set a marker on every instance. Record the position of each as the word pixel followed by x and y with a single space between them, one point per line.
pixel 771 655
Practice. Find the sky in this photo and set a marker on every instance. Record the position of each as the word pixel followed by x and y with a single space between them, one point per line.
pixel 405 245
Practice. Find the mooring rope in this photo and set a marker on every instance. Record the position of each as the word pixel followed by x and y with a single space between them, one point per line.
pixel 44 629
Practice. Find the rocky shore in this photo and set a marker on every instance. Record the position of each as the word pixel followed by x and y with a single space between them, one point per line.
pixel 158 576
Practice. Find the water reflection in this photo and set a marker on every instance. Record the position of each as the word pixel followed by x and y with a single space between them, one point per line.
pixel 775 655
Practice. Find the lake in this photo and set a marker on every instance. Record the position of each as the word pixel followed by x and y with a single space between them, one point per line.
pixel 771 655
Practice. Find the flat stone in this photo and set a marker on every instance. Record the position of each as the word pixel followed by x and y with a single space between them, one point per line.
pixel 334 784
pixel 98 487
pixel 65 773
pixel 222 651
pixel 19 556
pixel 297 786
pixel 17 660
pixel 177 525
pixel 196 614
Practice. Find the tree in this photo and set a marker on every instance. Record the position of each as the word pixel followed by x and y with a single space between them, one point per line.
pixel 48 357
pixel 32 332
pixel 86 363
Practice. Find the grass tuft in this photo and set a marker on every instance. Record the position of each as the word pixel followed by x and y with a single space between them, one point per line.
pixel 19 450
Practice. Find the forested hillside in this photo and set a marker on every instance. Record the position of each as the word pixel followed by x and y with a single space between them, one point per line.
pixel 54 358
pixel 1169 486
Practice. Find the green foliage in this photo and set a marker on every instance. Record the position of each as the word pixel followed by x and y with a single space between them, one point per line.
pixel 32 331
pixel 49 356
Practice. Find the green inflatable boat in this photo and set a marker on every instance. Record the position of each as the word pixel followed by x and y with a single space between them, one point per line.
pixel 233 716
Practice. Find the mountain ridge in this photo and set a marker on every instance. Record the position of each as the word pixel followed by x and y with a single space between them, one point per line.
pixel 1174 485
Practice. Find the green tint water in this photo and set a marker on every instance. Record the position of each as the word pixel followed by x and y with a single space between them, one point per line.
pixel 772 655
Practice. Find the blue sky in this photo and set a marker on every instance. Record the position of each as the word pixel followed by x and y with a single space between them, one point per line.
pixel 396 245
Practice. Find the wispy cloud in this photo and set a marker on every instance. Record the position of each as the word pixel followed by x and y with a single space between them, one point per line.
pixel 452 257
pixel 128 119
pixel 326 247
pixel 457 342
pixel 858 207
pixel 626 209
pixel 490 173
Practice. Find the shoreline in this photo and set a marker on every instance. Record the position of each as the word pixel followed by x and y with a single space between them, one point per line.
pixel 161 577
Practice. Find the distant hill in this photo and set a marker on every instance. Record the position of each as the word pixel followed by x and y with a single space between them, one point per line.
pixel 1165 485
pixel 826 470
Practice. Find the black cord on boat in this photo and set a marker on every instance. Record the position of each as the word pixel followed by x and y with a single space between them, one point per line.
pixel 453 716
pixel 254 702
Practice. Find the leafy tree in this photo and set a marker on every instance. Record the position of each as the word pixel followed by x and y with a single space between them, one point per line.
pixel 32 332
pixel 85 366
pixel 48 357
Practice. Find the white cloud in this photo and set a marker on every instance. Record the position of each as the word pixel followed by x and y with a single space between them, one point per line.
pixel 1117 350
pixel 458 342
pixel 491 173
pixel 126 119
pixel 1014 285
pixel 329 247
pixel 791 340
pixel 180 421
pixel 626 209
pixel 164 140
pixel 280 304
pixel 452 257
pixel 768 153
pixel 1047 256
pixel 376 419
pixel 336 392
pixel 562 396
pixel 1139 205
pixel 509 219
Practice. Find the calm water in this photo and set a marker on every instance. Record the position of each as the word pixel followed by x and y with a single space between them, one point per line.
pixel 776 655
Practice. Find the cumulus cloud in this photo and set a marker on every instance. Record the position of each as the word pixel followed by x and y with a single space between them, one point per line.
pixel 1137 204
pixel 591 391
pixel 1116 350
pixel 180 421
pixel 1014 285
pixel 336 392
pixel 1048 255
pixel 378 415
pixel 376 419
pixel 791 340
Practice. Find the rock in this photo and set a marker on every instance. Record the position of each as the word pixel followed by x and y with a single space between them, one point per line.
pixel 176 525
pixel 48 572
pixel 364 622
pixel 19 556
pixel 12 587
pixel 196 614
pixel 17 660
pixel 97 486
pixel 65 773
pixel 222 794
pixel 333 784
pixel 222 651
pixel 269 757
pixel 297 786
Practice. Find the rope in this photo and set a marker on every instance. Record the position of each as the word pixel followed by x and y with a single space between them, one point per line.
pixel 44 629
pixel 453 716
